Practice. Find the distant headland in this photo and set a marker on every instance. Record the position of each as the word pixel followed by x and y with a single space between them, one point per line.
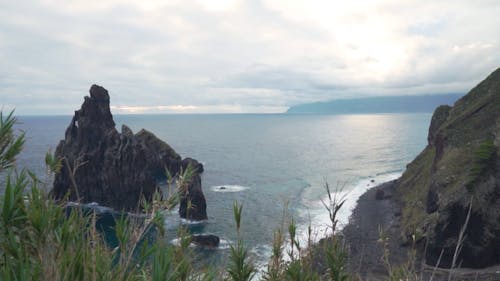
pixel 381 104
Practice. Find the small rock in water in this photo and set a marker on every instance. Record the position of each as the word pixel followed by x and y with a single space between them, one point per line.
pixel 206 240
pixel 222 188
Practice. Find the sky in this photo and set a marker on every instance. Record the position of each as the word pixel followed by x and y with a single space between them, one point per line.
pixel 236 56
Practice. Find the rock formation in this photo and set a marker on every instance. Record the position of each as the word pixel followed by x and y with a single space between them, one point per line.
pixel 115 169
pixel 459 168
pixel 192 200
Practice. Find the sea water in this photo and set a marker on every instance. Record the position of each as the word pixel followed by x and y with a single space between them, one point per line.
pixel 266 162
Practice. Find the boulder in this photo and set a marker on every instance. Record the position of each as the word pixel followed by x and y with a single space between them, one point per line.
pixel 206 240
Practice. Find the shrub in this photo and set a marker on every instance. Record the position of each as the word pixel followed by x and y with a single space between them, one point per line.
pixel 484 160
pixel 484 157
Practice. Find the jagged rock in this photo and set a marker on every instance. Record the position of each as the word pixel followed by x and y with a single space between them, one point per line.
pixel 432 202
pixel 159 153
pixel 438 118
pixel 192 201
pixel 194 163
pixel 460 162
pixel 111 168
pixel 206 240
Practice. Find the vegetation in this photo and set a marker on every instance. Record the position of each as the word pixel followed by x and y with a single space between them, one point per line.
pixel 240 269
pixel 41 239
pixel 414 217
pixel 484 158
pixel 10 146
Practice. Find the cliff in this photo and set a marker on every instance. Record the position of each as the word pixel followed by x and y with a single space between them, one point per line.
pixel 459 169
pixel 115 169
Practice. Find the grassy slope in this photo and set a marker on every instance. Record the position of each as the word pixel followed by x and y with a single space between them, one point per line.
pixel 447 164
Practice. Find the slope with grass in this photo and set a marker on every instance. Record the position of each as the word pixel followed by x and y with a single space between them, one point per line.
pixel 457 171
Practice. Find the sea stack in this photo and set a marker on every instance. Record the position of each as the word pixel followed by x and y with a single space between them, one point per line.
pixel 115 169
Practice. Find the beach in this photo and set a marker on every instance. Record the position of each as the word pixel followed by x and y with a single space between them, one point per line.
pixel 363 239
pixel 374 217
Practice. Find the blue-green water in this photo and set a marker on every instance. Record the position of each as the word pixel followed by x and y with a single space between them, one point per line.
pixel 265 160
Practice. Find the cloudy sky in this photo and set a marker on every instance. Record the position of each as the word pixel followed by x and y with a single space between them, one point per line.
pixel 239 56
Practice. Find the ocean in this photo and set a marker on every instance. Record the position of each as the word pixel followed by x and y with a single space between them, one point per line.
pixel 265 162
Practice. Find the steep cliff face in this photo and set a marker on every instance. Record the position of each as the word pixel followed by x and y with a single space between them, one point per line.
pixel 116 169
pixel 459 168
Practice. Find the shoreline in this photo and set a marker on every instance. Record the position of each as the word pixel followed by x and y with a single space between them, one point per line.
pixel 362 233
pixel 365 249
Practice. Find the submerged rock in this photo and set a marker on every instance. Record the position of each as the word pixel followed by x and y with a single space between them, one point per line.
pixel 116 169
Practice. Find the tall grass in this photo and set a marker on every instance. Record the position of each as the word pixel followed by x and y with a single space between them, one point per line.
pixel 240 267
pixel 10 145
pixel 43 239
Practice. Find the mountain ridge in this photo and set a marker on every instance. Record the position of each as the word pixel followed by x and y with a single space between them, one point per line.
pixel 377 104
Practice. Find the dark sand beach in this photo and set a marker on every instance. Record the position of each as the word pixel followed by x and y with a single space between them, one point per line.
pixel 363 239
pixel 373 216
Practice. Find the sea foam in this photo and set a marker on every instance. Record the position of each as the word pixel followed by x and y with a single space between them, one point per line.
pixel 319 216
pixel 228 188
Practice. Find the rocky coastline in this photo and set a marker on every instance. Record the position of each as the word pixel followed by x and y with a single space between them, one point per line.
pixel 374 226
pixel 445 205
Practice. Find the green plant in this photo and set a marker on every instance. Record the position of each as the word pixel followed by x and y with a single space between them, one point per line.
pixel 336 200
pixel 10 145
pixel 302 263
pixel 298 267
pixel 484 159
pixel 240 268
pixel 276 266
pixel 334 249
pixel 405 271
pixel 41 239
pixel 183 181
pixel 336 260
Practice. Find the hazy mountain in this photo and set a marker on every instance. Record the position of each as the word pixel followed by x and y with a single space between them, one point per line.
pixel 386 104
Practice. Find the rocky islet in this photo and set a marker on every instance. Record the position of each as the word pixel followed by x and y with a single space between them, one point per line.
pixel 100 164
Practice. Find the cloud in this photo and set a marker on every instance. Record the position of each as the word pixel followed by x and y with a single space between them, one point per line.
pixel 239 56
pixel 193 109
